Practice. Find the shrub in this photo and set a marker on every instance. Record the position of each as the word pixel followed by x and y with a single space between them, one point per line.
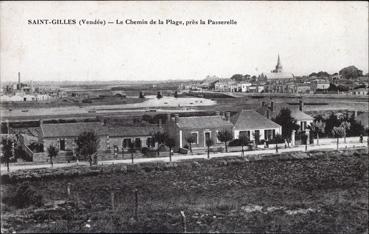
pixel 26 196
pixel 144 150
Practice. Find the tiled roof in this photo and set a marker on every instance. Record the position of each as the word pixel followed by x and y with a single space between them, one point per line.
pixel 201 122
pixel 299 115
pixel 130 131
pixel 295 112
pixel 250 119
pixel 279 75
pixel 71 129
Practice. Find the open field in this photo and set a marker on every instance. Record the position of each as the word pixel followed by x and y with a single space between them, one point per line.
pixel 178 104
pixel 325 193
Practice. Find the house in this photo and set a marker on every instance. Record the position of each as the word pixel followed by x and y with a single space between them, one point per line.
pixel 303 88
pixel 273 109
pixel 360 91
pixel 63 135
pixel 120 137
pixel 201 127
pixel 251 123
pixel 243 87
pixel 225 85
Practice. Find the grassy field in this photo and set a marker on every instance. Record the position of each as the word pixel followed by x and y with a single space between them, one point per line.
pixel 327 193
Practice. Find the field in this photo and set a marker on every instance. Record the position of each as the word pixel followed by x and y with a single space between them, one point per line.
pixel 326 193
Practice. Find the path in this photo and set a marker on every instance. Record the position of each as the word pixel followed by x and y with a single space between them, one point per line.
pixel 180 157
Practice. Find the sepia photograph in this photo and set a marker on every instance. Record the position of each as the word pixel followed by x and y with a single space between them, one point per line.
pixel 184 116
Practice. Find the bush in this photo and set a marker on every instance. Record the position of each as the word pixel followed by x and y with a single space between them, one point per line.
pixel 26 196
pixel 236 142
pixel 145 150
pixel 183 151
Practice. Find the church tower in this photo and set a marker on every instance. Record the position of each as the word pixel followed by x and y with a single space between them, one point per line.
pixel 278 68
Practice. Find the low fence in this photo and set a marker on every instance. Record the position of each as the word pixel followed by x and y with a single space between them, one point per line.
pixel 323 141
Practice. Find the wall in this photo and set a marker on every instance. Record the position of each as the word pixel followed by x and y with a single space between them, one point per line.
pixel 201 136
pixel 236 133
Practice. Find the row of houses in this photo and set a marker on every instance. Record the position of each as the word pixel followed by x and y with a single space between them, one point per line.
pixel 118 138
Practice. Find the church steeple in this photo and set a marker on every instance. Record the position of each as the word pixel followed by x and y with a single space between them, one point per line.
pixel 279 67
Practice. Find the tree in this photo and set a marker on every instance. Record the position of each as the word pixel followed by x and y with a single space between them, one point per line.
pixel 356 128
pixel 225 136
pixel 175 94
pixel 141 95
pixel 7 144
pixel 345 125
pixel 87 145
pixel 244 140
pixel 287 122
pixel 171 143
pixel 350 72
pixel 131 149
pixel 159 137
pixel 52 151
pixel 159 95
pixel 209 142
pixel 237 77
pixel 317 127
pixel 330 123
pixel 190 139
pixel 256 135
pixel 277 138
pixel 338 132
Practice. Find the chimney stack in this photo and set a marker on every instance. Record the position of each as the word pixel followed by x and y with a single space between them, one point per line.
pixel 19 78
pixel 168 118
pixel 176 117
pixel 301 105
pixel 272 106
pixel 268 114
pixel 228 116
pixel 160 123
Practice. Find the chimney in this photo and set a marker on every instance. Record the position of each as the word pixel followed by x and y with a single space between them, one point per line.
pixel 19 78
pixel 268 114
pixel 272 106
pixel 301 105
pixel 355 114
pixel 228 116
pixel 160 123
pixel 168 118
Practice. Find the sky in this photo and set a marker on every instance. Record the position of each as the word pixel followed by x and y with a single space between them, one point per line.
pixel 308 36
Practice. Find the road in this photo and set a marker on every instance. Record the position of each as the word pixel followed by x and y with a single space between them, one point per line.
pixel 181 157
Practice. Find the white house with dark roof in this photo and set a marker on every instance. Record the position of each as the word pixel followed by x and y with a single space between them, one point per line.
pixel 273 109
pixel 201 127
pixel 249 123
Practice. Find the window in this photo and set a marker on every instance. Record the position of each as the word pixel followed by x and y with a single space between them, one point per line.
pixel 195 136
pixel 207 136
pixel 150 142
pixel 245 133
pixel 62 144
pixel 138 143
pixel 126 142
pixel 269 134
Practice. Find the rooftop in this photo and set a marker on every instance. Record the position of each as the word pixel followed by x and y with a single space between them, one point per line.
pixel 250 119
pixel 203 122
pixel 71 129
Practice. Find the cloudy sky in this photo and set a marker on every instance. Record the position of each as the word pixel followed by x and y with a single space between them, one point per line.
pixel 309 36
